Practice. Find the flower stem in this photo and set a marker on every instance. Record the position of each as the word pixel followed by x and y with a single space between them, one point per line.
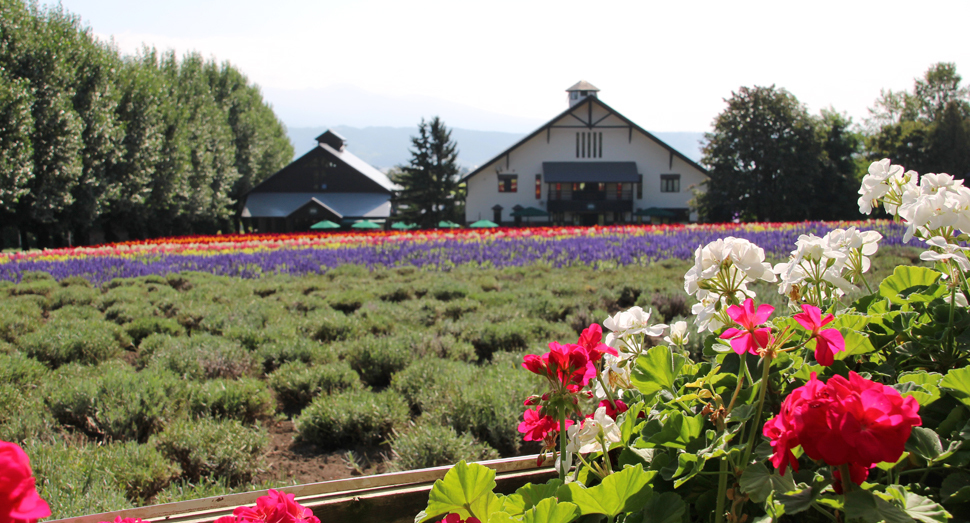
pixel 846 478
pixel 562 445
pixel 950 336
pixel 737 389
pixel 721 491
pixel 766 362
pixel 609 393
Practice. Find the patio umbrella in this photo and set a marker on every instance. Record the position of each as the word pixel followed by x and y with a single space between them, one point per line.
pixel 445 224
pixel 365 224
pixel 483 223
pixel 325 224
pixel 403 226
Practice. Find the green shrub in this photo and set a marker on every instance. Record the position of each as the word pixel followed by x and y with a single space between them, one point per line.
pixel 276 353
pixel 113 401
pixel 449 290
pixel 489 338
pixel 18 317
pixel 17 369
pixel 397 293
pixel 348 301
pixel 66 341
pixel 208 448
pixel 73 295
pixel 430 380
pixel 121 294
pixel 75 312
pixel 296 384
pixel 426 446
pixel 329 325
pixel 377 359
pixel 23 415
pixel 76 281
pixel 35 287
pixel 210 488
pixel 356 417
pixel 141 471
pixel 124 312
pixel 245 399
pixel 145 326
pixel 348 272
pixel 72 480
pixel 202 356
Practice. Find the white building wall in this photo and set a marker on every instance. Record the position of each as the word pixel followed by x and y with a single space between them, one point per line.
pixel 651 158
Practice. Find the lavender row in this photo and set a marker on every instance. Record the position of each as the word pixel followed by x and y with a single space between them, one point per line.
pixel 606 250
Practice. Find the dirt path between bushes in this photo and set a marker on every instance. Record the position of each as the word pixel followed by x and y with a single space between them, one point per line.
pixel 305 463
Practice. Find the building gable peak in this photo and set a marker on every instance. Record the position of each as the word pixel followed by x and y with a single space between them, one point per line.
pixel 334 140
pixel 581 90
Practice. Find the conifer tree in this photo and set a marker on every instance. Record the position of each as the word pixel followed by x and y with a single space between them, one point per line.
pixel 430 190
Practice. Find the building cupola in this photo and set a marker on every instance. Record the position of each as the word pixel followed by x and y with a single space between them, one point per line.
pixel 581 90
pixel 333 139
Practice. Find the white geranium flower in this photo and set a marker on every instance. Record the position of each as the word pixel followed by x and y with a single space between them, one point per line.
pixel 876 183
pixel 961 299
pixel 950 252
pixel 633 321
pixel 678 334
pixel 583 439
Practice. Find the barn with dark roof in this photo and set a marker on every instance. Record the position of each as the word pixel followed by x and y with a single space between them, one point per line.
pixel 327 183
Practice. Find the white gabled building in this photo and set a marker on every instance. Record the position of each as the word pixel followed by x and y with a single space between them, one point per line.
pixel 590 165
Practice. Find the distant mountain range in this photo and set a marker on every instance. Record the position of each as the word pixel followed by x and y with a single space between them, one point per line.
pixel 385 147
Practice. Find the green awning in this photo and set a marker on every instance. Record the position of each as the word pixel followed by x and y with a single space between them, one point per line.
pixel 530 211
pixel 445 224
pixel 403 226
pixel 365 224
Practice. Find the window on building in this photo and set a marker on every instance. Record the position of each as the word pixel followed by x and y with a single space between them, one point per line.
pixel 538 187
pixel 669 183
pixel 508 183
pixel 589 145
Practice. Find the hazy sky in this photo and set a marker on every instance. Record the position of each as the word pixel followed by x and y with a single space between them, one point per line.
pixel 666 65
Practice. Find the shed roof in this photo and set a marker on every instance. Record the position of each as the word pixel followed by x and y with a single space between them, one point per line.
pixel 582 85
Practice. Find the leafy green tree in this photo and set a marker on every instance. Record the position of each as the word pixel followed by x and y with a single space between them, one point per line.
pixel 765 159
pixel 836 198
pixel 949 142
pixel 430 188
pixel 16 151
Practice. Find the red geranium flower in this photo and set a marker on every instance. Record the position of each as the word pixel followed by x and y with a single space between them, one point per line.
pixel 19 501
pixel 828 341
pixel 455 518
pixel 750 338
pixel 275 507
pixel 852 421
pixel 591 340
pixel 536 427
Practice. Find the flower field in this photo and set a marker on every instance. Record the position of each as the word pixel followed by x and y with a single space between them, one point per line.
pixel 252 256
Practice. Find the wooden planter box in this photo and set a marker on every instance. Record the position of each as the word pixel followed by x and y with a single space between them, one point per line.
pixel 384 498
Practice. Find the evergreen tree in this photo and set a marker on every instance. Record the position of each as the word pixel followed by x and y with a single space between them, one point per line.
pixel 430 190
pixel 16 152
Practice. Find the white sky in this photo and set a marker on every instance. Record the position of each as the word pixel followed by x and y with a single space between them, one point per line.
pixel 666 65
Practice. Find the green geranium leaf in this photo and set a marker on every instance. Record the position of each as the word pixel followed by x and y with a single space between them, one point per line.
pixel 797 502
pixel 529 495
pixel 679 431
pixel 928 389
pixel 925 443
pixel 855 344
pixel 915 506
pixel 550 510
pixel 758 483
pixel 957 383
pixel 500 517
pixel 861 504
pixel 656 370
pixel 662 508
pixel 908 282
pixel 852 322
pixel 622 492
pixel 465 490
pixel 956 488
pixel 688 465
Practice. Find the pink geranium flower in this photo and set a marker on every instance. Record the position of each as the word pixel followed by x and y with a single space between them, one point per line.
pixel 828 341
pixel 274 507
pixel 749 338
pixel 456 518
pixel 19 501
pixel 536 427
pixel 591 340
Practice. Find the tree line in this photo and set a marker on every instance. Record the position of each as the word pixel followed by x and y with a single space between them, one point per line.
pixel 769 159
pixel 140 145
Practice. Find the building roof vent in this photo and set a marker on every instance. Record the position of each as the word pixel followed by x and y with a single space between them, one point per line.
pixel 333 139
pixel 581 90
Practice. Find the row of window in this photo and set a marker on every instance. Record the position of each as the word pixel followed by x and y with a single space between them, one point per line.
pixel 510 183
pixel 589 145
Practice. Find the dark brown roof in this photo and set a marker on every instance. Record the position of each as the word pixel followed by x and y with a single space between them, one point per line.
pixel 582 85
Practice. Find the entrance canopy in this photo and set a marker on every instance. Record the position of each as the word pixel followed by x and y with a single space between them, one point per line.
pixel 579 172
